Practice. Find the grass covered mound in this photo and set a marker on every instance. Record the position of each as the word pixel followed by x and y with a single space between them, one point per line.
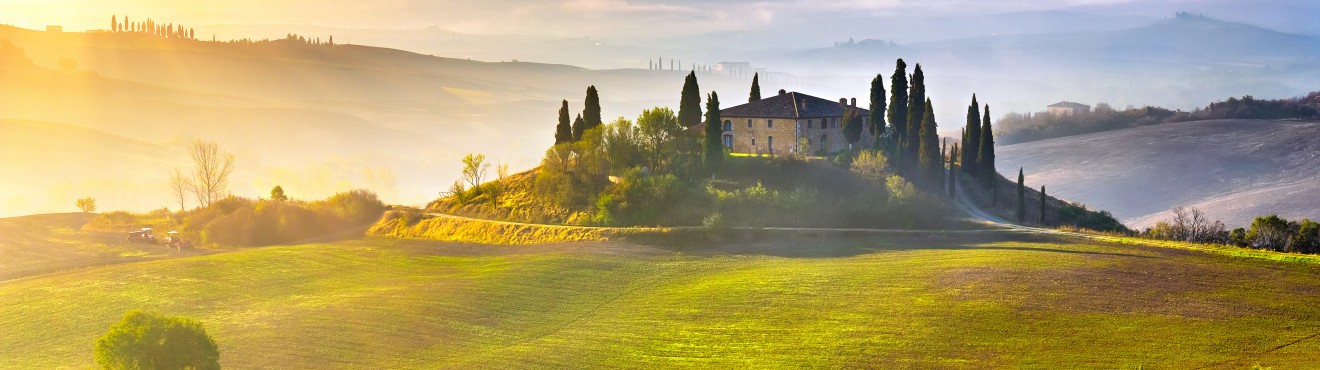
pixel 236 221
pixel 744 191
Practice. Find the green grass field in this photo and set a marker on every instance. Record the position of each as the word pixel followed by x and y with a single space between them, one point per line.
pixel 981 300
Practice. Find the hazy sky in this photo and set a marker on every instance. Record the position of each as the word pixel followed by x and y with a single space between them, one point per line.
pixel 563 18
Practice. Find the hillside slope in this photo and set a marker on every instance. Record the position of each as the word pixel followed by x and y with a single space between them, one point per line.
pixel 1233 169
pixel 970 301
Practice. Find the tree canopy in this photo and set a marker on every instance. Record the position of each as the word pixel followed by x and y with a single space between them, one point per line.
pixel 143 340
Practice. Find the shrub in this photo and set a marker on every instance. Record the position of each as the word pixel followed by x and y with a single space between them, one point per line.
pixel 144 340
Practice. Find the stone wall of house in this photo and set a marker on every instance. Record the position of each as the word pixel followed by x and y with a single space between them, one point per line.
pixel 821 133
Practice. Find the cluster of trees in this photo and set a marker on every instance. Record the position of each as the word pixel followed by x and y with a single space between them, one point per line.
pixel 1266 232
pixel 1020 128
pixel 151 27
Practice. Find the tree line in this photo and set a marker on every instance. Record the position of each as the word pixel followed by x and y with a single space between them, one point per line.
pixel 1265 232
pixel 1025 127
pixel 151 27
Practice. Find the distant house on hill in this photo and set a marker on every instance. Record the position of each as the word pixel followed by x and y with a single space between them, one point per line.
pixel 55 29
pixel 1067 108
pixel 735 69
pixel 780 124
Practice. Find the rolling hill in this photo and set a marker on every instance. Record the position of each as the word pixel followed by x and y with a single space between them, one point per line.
pixel 1232 169
pixel 315 119
pixel 982 300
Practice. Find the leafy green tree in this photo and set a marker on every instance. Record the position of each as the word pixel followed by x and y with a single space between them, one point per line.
pixel 564 130
pixel 877 108
pixel 1021 198
pixel 1269 232
pixel 916 111
pixel 277 193
pixel 579 126
pixel 714 132
pixel 144 340
pixel 591 111
pixel 985 159
pixel 689 105
pixel 87 205
pixel 659 129
pixel 756 89
pixel 623 145
pixel 1307 238
pixel 928 154
pixel 852 125
pixel 971 138
pixel 1043 197
pixel 898 102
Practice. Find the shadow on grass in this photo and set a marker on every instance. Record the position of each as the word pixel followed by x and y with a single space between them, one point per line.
pixel 837 244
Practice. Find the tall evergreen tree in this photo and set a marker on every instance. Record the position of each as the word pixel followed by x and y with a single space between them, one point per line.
pixel 928 153
pixel 756 89
pixel 877 118
pixel 714 132
pixel 971 137
pixel 985 160
pixel 579 126
pixel 591 110
pixel 1042 204
pixel 898 103
pixel 689 104
pixel 852 125
pixel 564 130
pixel 1022 198
pixel 114 23
pixel 916 110
pixel 953 174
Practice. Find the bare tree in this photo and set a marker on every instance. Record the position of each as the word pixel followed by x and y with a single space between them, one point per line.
pixel 1194 226
pixel 181 186
pixel 474 169
pixel 211 174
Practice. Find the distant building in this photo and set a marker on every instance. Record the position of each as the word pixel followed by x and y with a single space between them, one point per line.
pixel 1067 108
pixel 55 29
pixel 779 124
pixel 735 69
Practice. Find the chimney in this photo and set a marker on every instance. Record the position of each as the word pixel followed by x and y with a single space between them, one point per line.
pixel 843 101
pixel 782 92
pixel 854 102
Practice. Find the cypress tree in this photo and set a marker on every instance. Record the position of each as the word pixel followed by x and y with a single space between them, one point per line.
pixel 852 125
pixel 985 161
pixel 971 137
pixel 1022 198
pixel 1042 204
pixel 916 111
pixel 579 127
pixel 953 175
pixel 928 155
pixel 877 107
pixel 563 131
pixel 114 23
pixel 714 133
pixel 898 103
pixel 756 89
pixel 591 111
pixel 689 104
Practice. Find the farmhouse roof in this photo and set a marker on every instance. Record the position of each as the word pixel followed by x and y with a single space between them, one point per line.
pixel 788 105
pixel 1068 104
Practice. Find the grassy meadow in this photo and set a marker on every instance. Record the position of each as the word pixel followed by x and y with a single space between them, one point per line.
pixel 970 300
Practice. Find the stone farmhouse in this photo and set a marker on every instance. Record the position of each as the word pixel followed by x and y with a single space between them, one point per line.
pixel 1067 108
pixel 783 123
